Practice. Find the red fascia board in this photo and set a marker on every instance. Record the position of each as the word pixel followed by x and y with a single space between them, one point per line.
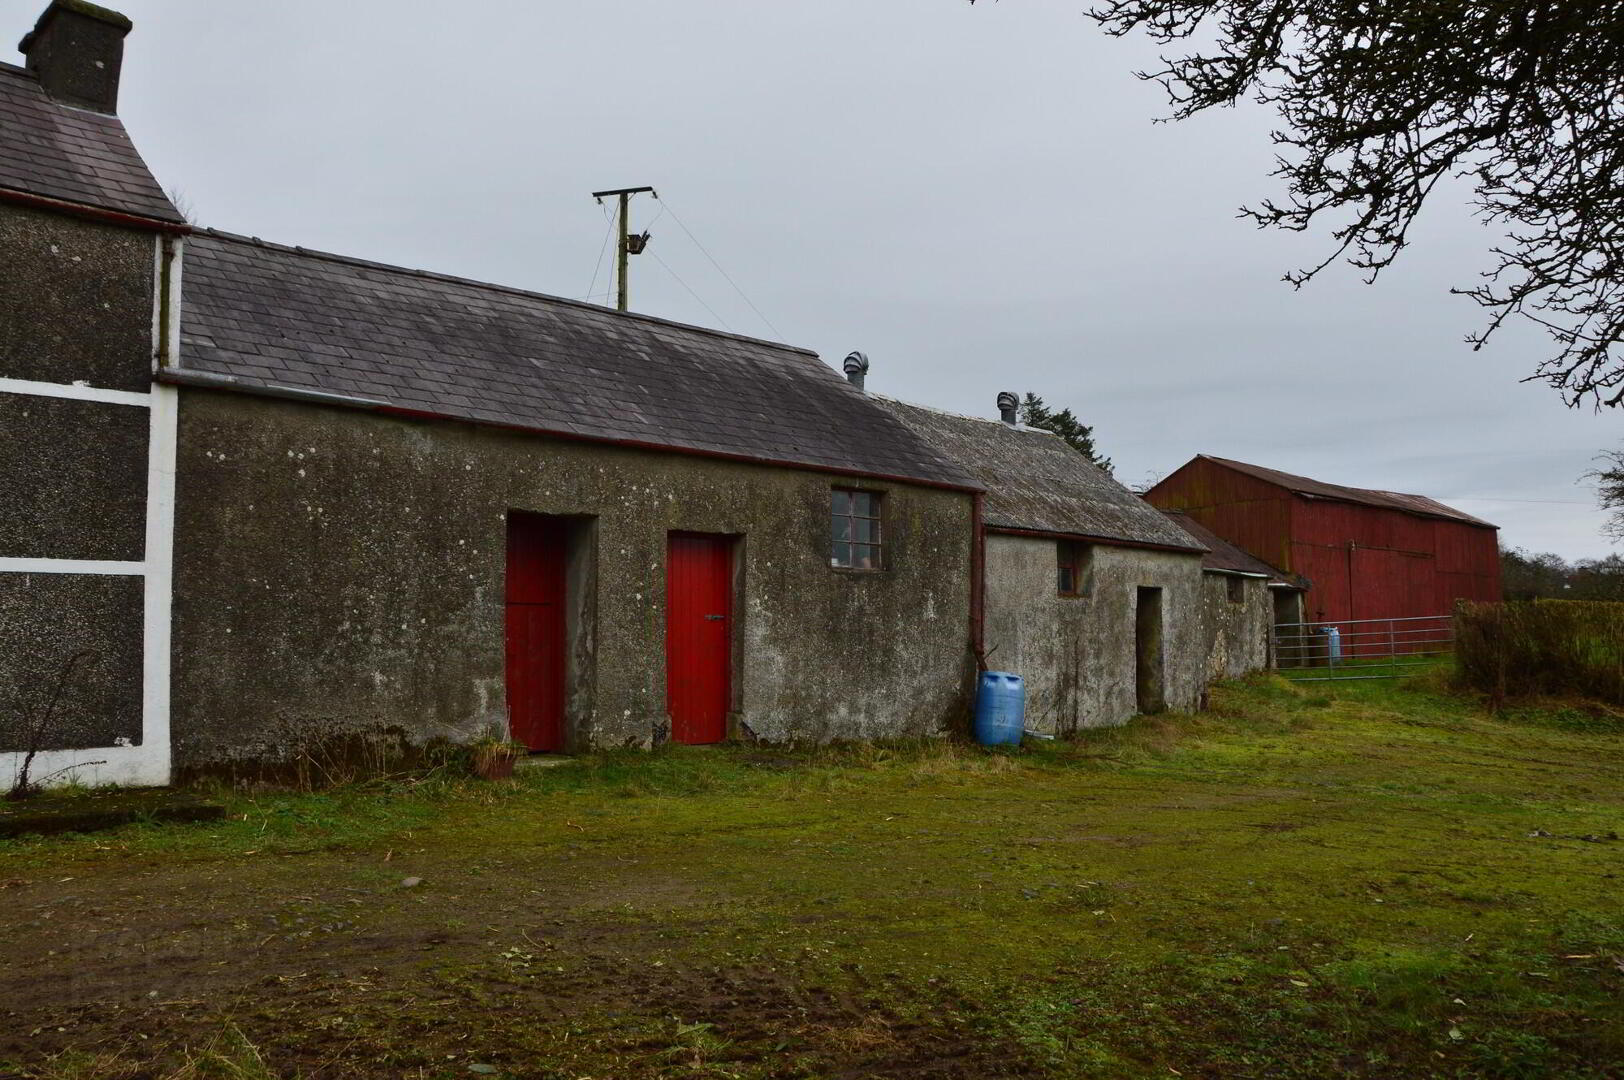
pixel 1111 541
pixel 95 213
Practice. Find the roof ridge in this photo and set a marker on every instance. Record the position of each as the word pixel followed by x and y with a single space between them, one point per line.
pixel 1323 483
pixel 966 416
pixel 1351 493
pixel 512 290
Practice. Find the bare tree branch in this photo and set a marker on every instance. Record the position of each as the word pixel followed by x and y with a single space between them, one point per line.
pixel 1381 100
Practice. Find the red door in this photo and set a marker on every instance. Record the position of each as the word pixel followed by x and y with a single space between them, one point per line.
pixel 698 639
pixel 537 638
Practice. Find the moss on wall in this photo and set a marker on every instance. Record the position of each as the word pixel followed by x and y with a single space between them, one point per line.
pixel 1235 635
pixel 1077 653
pixel 339 571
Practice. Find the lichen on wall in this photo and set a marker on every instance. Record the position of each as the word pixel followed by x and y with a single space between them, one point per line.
pixel 1077 654
pixel 339 571
pixel 1236 634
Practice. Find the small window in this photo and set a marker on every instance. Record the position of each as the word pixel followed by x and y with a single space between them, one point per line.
pixel 1071 568
pixel 1237 590
pixel 855 530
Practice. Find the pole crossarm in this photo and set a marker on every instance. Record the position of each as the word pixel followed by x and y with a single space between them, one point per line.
pixel 625 249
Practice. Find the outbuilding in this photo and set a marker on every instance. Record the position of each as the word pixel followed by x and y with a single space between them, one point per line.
pixel 1091 595
pixel 1242 599
pixel 267 508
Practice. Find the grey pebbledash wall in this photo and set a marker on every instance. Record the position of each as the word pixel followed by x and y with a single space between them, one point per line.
pixel 1077 653
pixel 76 306
pixel 340 572
pixel 75 300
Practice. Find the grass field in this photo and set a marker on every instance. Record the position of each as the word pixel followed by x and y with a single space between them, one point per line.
pixel 1365 879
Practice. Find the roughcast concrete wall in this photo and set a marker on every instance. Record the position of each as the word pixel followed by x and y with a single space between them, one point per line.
pixel 1235 635
pixel 76 311
pixel 1077 653
pixel 339 572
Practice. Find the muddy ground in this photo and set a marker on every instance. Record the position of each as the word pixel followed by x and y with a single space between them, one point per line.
pixel 1365 883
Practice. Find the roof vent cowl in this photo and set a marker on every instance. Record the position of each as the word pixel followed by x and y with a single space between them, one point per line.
pixel 1008 403
pixel 856 367
pixel 76 50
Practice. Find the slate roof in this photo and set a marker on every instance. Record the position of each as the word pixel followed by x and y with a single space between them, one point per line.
pixel 1223 556
pixel 1387 500
pixel 73 155
pixel 274 316
pixel 1036 482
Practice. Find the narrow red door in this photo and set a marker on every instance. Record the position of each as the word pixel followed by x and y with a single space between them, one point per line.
pixel 537 640
pixel 698 638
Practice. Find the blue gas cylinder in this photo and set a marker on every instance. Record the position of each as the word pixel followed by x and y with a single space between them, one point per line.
pixel 1000 709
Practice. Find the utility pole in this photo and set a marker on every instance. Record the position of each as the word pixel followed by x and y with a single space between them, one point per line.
pixel 629 245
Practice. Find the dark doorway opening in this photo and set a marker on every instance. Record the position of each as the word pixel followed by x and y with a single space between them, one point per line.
pixel 1148 667
pixel 548 625
pixel 699 636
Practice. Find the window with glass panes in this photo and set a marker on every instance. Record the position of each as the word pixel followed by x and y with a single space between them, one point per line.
pixel 1071 568
pixel 855 524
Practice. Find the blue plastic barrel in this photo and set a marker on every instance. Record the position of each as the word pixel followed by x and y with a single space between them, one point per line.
pixel 1333 638
pixel 1000 709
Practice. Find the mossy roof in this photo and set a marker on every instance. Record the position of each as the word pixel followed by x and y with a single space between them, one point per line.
pixel 274 316
pixel 1036 482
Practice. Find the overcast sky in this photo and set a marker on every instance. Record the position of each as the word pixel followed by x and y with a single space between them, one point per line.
pixel 977 197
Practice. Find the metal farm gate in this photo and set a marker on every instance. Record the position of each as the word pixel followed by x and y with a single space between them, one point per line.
pixel 1362 648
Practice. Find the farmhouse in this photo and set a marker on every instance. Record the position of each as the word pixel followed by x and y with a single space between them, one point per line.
pixel 266 504
pixel 263 507
pixel 1093 596
pixel 1363 554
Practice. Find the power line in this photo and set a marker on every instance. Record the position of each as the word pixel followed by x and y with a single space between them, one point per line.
pixel 607 232
pixel 678 219
pixel 691 292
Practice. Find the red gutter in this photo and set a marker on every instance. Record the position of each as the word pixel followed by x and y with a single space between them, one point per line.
pixel 1111 540
pixel 112 217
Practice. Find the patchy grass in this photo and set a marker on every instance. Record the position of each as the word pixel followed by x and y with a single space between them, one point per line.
pixel 1356 879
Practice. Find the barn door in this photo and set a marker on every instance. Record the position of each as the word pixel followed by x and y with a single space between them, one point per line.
pixel 698 636
pixel 537 630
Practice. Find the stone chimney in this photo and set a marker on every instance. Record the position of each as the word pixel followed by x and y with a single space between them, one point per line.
pixel 856 367
pixel 76 50
pixel 1008 403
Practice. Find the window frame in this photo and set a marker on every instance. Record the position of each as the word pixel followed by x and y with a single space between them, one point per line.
pixel 1075 556
pixel 1237 588
pixel 877 544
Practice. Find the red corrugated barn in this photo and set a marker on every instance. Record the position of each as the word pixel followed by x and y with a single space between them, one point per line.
pixel 1367 554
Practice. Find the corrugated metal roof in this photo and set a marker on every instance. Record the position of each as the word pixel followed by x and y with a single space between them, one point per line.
pixel 73 155
pixel 1036 482
pixel 1390 500
pixel 276 316
pixel 1222 555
